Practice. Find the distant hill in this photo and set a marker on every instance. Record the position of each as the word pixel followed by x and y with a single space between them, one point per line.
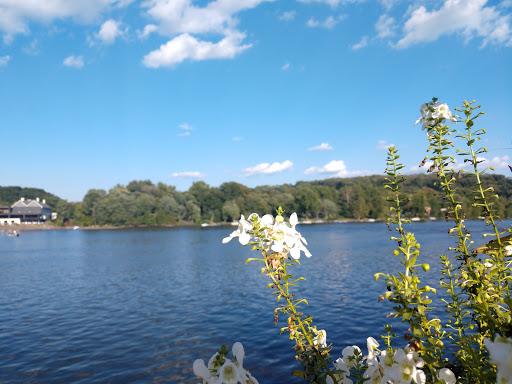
pixel 9 195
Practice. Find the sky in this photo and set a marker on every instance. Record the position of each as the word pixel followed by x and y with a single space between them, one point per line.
pixel 95 93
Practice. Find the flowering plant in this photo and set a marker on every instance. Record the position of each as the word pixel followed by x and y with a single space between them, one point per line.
pixel 476 281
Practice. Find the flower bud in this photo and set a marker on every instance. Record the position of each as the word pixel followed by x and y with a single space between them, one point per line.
pixel 395 252
pixel 279 219
pixel 425 267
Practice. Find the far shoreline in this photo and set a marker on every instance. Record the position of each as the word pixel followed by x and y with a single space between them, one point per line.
pixel 45 227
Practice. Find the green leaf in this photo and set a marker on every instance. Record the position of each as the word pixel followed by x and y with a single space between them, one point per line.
pixel 298 374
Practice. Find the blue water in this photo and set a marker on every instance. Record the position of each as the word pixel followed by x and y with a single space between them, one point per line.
pixel 140 305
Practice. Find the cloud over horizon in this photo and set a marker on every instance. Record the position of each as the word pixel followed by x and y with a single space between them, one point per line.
pixel 321 147
pixel 267 168
pixel 188 175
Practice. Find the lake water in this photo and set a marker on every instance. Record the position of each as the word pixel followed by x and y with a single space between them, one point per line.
pixel 140 305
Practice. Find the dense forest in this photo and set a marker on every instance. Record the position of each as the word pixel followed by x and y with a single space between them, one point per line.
pixel 144 203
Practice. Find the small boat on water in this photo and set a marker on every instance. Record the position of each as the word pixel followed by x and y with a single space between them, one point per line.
pixel 12 233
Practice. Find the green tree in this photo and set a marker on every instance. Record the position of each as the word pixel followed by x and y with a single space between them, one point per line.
pixel 230 211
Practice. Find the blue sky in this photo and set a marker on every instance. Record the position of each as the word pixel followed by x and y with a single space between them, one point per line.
pixel 99 92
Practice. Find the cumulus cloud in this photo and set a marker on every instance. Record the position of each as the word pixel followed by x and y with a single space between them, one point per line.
pixel 181 20
pixel 188 47
pixel 16 15
pixel 189 175
pixel 109 31
pixel 180 16
pixel 362 43
pixel 148 30
pixel 335 168
pixel 496 162
pixel 285 66
pixel 287 16
pixel 469 18
pixel 4 60
pixel 321 147
pixel 329 23
pixel 385 26
pixel 383 145
pixel 74 61
pixel 267 168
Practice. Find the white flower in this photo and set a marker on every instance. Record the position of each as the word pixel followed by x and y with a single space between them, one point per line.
pixel 200 369
pixel 418 361
pixel 241 232
pixel 501 355
pixel 341 378
pixel 349 355
pixel 230 374
pixel 441 111
pixel 238 352
pixel 406 369
pixel 446 376
pixel 371 344
pixel 321 339
pixel 507 250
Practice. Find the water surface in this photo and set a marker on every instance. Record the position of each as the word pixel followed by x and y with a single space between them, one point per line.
pixel 140 305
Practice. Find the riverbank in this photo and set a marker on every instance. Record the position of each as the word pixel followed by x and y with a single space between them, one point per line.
pixel 41 227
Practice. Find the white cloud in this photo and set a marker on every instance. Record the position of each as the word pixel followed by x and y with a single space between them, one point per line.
pixel 74 61
pixel 362 43
pixel 180 16
pixel 329 23
pixel 189 175
pixel 496 162
pixel 332 3
pixel 4 60
pixel 181 20
pixel 186 128
pixel 321 147
pixel 335 168
pixel 470 18
pixel 288 16
pixel 236 138
pixel 285 67
pixel 383 144
pixel 186 47
pixel 148 30
pixel 267 169
pixel 385 26
pixel 15 15
pixel 109 31
pixel 388 4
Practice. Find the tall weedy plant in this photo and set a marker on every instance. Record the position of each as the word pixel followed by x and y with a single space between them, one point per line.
pixel 473 346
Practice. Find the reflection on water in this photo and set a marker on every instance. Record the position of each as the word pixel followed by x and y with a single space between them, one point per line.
pixel 139 306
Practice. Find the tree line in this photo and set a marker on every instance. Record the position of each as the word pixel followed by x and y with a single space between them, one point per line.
pixel 357 198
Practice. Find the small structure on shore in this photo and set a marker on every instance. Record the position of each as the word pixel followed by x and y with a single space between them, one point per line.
pixel 26 211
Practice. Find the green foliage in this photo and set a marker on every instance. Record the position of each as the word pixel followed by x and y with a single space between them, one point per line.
pixel 477 281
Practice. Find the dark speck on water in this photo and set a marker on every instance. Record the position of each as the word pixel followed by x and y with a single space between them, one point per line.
pixel 140 305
